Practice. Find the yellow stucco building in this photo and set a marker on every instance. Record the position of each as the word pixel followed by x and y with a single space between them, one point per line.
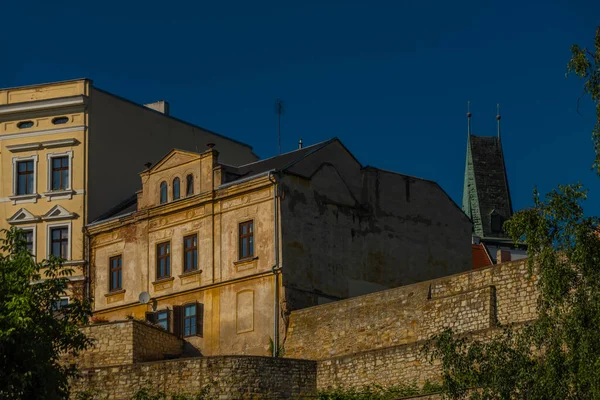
pixel 69 151
pixel 220 254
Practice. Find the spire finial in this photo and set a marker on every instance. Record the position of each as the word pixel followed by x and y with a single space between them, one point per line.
pixel 498 117
pixel 469 118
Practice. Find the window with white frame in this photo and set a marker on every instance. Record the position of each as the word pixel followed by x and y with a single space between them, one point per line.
pixel 24 176
pixel 59 241
pixel 60 171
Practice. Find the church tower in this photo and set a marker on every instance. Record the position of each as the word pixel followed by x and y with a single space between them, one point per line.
pixel 486 197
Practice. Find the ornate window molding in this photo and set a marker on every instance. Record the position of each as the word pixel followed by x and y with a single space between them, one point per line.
pixel 24 198
pixel 60 194
pixel 49 228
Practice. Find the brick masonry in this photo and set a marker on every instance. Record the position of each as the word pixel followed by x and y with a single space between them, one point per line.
pixel 229 377
pixel 376 339
pixel 466 302
pixel 127 342
pixel 372 339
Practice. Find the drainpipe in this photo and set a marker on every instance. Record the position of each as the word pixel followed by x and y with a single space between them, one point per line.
pixel 87 263
pixel 276 267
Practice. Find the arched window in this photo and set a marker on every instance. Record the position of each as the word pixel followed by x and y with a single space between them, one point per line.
pixel 189 185
pixel 175 188
pixel 163 192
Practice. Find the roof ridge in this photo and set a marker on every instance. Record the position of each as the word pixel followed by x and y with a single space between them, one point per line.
pixel 287 153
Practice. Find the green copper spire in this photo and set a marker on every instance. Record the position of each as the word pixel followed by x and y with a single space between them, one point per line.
pixel 486 198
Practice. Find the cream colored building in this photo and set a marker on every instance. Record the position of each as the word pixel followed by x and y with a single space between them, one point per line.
pixel 225 253
pixel 69 151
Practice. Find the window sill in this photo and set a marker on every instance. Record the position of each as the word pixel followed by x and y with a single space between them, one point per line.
pixel 163 284
pixel 190 277
pixel 163 280
pixel 191 273
pixel 24 198
pixel 245 264
pixel 245 260
pixel 114 293
pixel 113 297
pixel 59 194
pixel 73 262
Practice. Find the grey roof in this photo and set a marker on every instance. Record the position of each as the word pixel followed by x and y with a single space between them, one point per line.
pixel 125 207
pixel 279 162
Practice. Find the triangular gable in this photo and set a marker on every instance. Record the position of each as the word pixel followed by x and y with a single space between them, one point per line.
pixel 173 159
pixel 59 212
pixel 22 217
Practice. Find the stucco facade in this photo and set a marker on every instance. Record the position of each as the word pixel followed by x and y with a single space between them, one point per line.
pixel 67 152
pixel 312 215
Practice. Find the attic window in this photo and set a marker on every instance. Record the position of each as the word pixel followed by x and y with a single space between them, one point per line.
pixel 163 192
pixel 176 189
pixel 25 124
pixel 60 120
pixel 189 185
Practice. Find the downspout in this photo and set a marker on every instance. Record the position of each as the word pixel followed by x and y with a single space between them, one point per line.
pixel 276 266
pixel 87 264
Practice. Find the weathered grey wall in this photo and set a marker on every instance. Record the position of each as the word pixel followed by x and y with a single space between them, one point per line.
pixel 348 231
pixel 229 377
pixel 124 136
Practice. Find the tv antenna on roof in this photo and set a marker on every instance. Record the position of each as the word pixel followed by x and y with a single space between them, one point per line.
pixel 279 110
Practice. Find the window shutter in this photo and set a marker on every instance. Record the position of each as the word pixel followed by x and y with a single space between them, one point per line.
pixel 170 321
pixel 151 317
pixel 178 321
pixel 200 319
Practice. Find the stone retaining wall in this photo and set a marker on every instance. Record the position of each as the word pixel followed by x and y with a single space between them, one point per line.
pixel 465 302
pixel 127 342
pixel 229 377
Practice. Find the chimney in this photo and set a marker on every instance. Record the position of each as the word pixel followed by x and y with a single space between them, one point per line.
pixel 161 106
pixel 300 143
pixel 502 256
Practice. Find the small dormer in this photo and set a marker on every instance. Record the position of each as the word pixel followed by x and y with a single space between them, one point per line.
pixel 178 175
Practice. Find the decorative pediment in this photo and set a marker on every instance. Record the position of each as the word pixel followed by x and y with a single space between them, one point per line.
pixel 58 212
pixel 174 159
pixel 22 217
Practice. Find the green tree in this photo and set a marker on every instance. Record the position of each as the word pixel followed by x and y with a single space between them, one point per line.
pixel 557 356
pixel 586 65
pixel 36 337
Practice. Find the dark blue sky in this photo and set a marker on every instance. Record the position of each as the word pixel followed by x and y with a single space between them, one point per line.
pixel 390 79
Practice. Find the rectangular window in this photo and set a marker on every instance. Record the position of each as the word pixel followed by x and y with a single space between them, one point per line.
pixel 116 273
pixel 59 304
pixel 163 260
pixel 162 319
pixel 59 242
pixel 25 177
pixel 189 320
pixel 190 253
pixel 246 239
pixel 29 239
pixel 60 173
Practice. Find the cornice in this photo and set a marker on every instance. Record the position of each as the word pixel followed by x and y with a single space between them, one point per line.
pixel 38 105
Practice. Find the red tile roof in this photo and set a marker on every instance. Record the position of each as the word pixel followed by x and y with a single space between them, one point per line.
pixel 481 258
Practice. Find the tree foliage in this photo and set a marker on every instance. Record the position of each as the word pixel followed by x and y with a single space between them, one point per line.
pixel 586 65
pixel 36 338
pixel 556 356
